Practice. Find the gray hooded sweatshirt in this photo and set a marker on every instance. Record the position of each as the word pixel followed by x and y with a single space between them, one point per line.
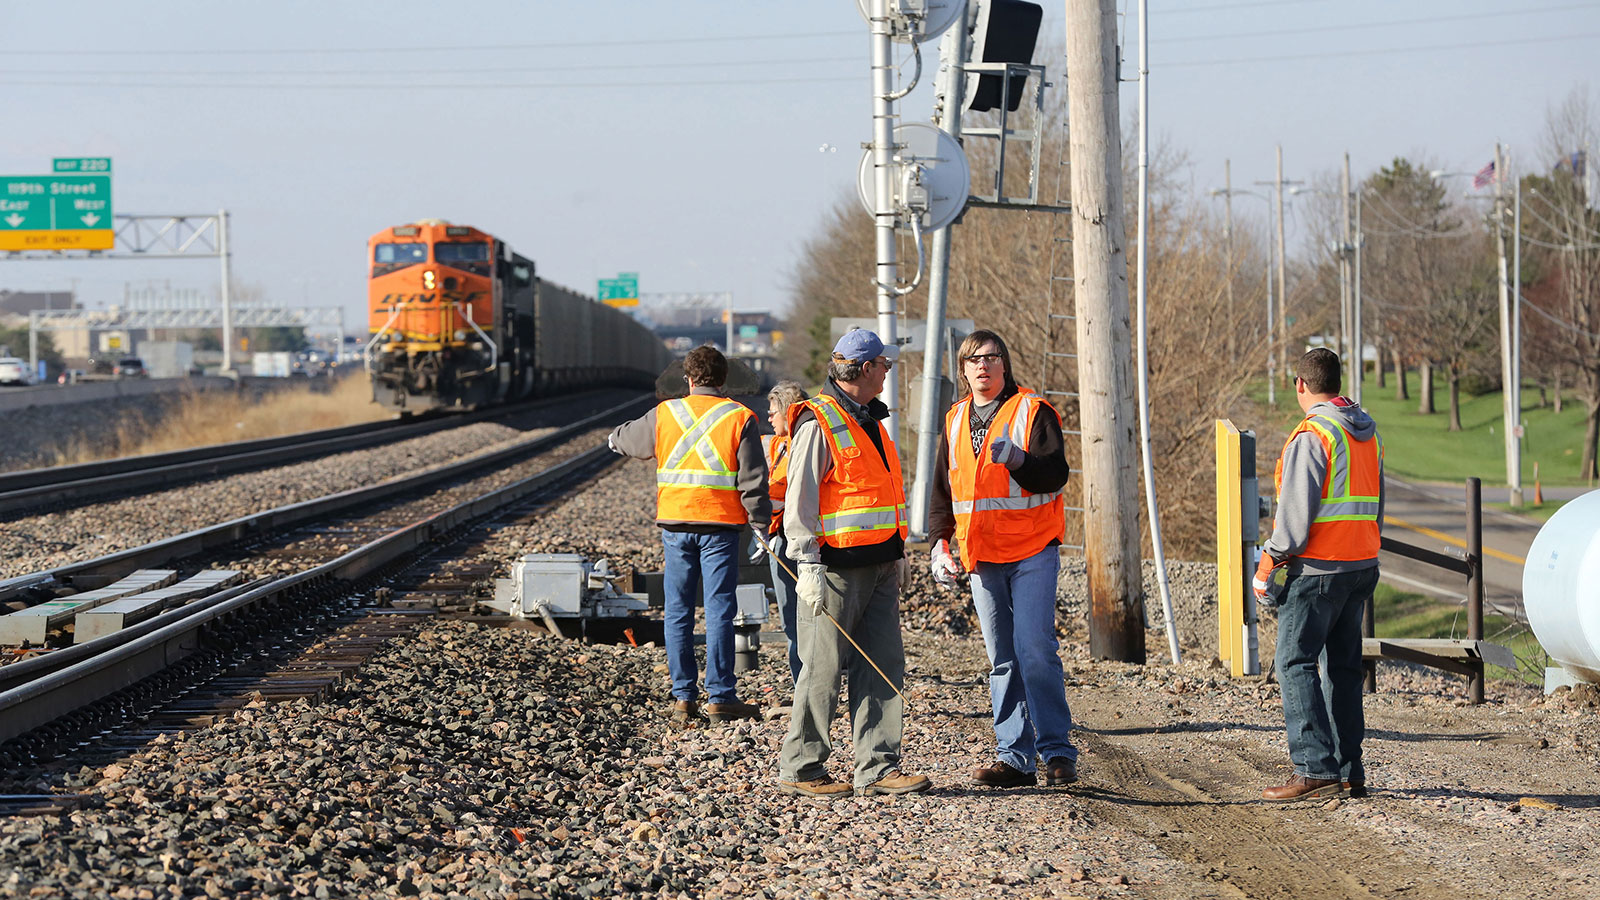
pixel 1305 468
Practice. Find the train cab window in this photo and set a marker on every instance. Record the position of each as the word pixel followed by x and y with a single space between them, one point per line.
pixel 522 275
pixel 400 253
pixel 461 251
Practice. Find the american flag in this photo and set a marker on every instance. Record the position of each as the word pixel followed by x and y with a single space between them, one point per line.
pixel 1484 177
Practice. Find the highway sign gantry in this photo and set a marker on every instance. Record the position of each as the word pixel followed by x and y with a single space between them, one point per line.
pixel 56 212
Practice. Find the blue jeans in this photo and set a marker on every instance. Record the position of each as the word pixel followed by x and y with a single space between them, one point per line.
pixel 783 588
pixel 705 564
pixel 1320 621
pixel 1016 605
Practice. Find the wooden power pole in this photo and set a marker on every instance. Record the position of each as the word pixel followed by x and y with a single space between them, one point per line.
pixel 1105 363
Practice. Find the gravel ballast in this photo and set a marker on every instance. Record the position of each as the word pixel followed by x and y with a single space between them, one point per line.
pixel 483 762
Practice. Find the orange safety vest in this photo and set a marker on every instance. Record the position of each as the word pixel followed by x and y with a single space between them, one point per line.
pixel 862 501
pixel 996 520
pixel 1346 524
pixel 697 460
pixel 777 477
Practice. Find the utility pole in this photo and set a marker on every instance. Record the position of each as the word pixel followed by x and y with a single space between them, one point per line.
pixel 1360 342
pixel 1283 278
pixel 1227 235
pixel 1509 407
pixel 883 214
pixel 1346 316
pixel 950 89
pixel 1105 364
pixel 227 297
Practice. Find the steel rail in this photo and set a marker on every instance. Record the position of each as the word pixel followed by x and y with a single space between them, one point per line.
pixel 101 571
pixel 57 485
pixel 149 651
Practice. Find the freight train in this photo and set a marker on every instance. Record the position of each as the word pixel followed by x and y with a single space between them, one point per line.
pixel 458 319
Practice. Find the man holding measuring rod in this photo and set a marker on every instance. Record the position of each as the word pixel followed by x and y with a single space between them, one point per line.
pixel 845 523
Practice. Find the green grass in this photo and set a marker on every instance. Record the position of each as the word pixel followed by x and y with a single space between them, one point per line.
pixel 1421 447
pixel 1405 615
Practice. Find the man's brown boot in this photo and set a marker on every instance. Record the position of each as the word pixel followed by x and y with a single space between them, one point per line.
pixel 734 709
pixel 824 788
pixel 1300 787
pixel 685 712
pixel 896 782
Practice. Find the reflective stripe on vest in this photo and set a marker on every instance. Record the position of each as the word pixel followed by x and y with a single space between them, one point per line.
pixel 778 477
pixel 697 439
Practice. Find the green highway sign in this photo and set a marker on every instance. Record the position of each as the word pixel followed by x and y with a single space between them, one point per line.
pixel 53 212
pixel 82 165
pixel 622 290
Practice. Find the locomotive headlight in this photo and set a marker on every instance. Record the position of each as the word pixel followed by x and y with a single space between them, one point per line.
pixel 428 279
pixel 461 335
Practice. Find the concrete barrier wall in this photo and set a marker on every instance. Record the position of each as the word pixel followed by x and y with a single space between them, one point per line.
pixel 85 391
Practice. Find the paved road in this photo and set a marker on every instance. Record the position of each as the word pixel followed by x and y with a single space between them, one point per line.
pixel 1434 516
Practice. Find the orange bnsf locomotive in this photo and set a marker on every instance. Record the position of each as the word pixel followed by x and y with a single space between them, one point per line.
pixel 458 319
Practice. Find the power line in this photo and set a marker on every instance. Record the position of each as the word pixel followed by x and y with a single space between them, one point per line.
pixel 1347 53
pixel 1189 8
pixel 1551 225
pixel 1554 320
pixel 436 48
pixel 1432 20
pixel 723 82
pixel 389 73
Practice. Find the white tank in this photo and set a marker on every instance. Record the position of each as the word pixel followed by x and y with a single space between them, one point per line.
pixel 1561 586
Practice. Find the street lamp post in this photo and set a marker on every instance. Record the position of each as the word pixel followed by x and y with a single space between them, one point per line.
pixel 1227 193
pixel 1349 290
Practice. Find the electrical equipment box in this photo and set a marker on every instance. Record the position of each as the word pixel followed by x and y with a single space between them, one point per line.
pixel 563 585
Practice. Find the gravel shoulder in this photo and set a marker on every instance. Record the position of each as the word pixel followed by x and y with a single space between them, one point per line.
pixel 487 762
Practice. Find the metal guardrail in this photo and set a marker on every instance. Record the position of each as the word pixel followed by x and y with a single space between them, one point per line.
pixel 119 661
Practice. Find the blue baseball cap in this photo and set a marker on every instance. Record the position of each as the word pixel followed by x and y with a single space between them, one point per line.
pixel 860 345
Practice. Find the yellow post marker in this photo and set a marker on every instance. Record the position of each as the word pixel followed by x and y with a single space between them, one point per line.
pixel 1230 543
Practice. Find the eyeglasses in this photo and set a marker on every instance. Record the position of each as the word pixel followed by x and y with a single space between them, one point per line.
pixel 983 359
pixel 885 362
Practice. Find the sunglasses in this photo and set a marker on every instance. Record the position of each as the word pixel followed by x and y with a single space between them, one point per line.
pixel 983 359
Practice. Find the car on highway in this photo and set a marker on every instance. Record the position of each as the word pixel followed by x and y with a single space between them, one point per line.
pixel 15 371
pixel 130 367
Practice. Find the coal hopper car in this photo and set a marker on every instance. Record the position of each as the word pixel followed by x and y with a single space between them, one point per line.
pixel 457 319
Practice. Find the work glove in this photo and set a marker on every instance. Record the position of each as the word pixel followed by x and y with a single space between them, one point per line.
pixel 902 570
pixel 1262 583
pixel 811 585
pixel 1006 454
pixel 945 568
pixel 758 550
pixel 612 445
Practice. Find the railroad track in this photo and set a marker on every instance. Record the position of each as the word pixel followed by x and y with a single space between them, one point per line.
pixel 55 701
pixel 63 486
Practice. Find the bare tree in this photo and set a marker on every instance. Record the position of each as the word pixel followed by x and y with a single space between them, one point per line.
pixel 1563 233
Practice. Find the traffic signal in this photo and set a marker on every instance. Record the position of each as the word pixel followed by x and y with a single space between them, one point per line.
pixel 1006 32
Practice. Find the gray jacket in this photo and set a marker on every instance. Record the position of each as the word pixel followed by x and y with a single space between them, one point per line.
pixel 1305 468
pixel 637 439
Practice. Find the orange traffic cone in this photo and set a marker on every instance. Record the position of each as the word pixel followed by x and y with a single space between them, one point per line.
pixel 1538 493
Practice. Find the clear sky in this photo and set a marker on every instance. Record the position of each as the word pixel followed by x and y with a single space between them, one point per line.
pixel 685 140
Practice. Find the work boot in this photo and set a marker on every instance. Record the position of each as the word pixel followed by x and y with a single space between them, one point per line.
pixel 685 712
pixel 896 782
pixel 731 710
pixel 1059 770
pixel 1002 774
pixel 1299 787
pixel 824 788
pixel 1356 787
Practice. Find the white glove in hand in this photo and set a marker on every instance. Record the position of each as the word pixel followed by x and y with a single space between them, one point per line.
pixel 612 445
pixel 944 566
pixel 758 551
pixel 1006 454
pixel 902 570
pixel 810 585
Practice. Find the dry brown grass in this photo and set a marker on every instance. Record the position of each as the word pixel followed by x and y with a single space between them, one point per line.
pixel 215 417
